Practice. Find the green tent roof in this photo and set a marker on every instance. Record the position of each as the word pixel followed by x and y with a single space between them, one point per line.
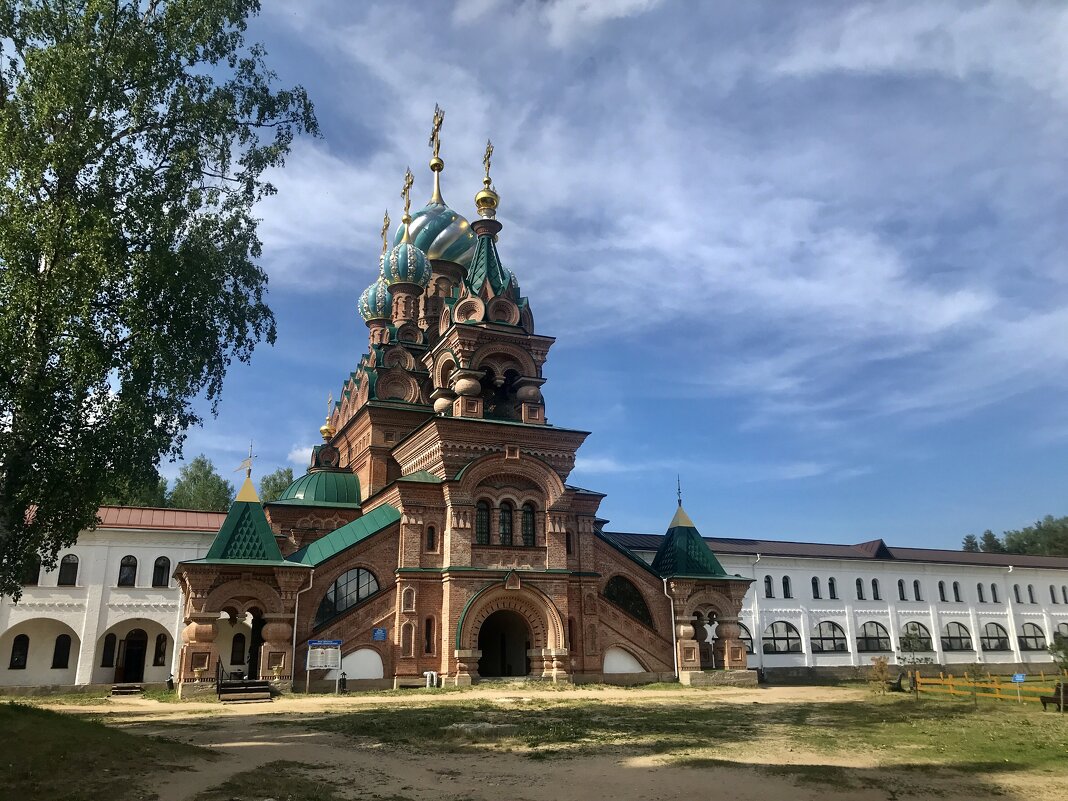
pixel 323 488
pixel 324 548
pixel 245 535
pixel 683 551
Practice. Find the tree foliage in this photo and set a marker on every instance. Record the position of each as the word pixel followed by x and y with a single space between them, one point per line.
pixel 152 492
pixel 199 486
pixel 1047 537
pixel 274 484
pixel 133 139
pixel 970 543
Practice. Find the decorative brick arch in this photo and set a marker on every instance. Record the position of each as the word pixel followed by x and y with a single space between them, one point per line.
pixel 513 352
pixel 526 467
pixel 243 595
pixel 547 627
pixel 709 598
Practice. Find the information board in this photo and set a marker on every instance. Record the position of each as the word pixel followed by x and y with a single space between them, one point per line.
pixel 324 654
pixel 1018 678
pixel 378 635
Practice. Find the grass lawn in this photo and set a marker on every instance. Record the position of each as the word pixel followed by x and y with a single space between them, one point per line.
pixel 894 730
pixel 47 755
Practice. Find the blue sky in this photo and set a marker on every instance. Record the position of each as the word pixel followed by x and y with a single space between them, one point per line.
pixel 809 255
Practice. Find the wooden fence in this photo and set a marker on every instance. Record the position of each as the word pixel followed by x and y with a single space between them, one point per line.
pixel 998 687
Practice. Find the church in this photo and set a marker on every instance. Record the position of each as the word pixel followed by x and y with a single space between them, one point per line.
pixel 436 537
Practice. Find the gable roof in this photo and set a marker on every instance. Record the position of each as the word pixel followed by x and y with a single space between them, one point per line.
pixel 324 548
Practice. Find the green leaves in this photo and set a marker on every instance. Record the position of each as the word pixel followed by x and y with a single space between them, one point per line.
pixel 133 138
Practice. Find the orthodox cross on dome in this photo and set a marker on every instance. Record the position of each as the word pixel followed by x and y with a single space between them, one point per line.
pixel 406 193
pixel 486 161
pixel 435 131
pixel 330 396
pixel 385 233
pixel 436 164
pixel 486 200
pixel 326 430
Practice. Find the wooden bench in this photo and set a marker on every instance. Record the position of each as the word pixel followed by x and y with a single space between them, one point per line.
pixel 1055 699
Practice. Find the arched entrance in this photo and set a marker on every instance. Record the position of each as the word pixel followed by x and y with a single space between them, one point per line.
pixel 130 662
pixel 504 639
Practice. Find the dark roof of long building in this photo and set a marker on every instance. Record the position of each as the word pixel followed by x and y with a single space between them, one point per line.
pixel 876 550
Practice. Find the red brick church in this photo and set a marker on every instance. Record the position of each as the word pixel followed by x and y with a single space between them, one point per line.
pixel 435 529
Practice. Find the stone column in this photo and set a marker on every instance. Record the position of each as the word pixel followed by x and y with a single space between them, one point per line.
pixel 196 666
pixel 466 667
pixel 277 650
pixel 728 649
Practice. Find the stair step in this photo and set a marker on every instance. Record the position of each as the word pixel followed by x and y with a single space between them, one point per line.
pixel 127 689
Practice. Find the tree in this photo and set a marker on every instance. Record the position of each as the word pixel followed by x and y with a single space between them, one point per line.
pixel 990 543
pixel 970 543
pixel 1047 537
pixel 149 493
pixel 133 139
pixel 274 484
pixel 198 486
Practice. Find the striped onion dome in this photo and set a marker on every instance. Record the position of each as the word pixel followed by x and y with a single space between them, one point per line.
pixel 407 264
pixel 376 303
pixel 441 233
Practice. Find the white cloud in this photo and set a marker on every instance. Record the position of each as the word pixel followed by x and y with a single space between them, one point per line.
pixel 300 455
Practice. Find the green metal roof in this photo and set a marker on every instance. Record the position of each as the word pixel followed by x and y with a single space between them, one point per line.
pixel 245 535
pixel 315 553
pixel 422 477
pixel 323 488
pixel 684 552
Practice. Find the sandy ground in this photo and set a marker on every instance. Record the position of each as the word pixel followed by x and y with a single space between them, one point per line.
pixel 248 735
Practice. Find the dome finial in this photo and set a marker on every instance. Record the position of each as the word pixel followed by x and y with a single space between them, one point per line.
pixel 436 164
pixel 406 193
pixel 385 236
pixel 486 200
pixel 326 430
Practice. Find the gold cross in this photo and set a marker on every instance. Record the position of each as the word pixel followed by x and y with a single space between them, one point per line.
pixel 486 158
pixel 329 404
pixel 435 131
pixel 385 237
pixel 409 179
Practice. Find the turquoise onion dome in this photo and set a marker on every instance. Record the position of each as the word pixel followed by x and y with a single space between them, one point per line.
pixel 439 231
pixel 407 264
pixel 376 303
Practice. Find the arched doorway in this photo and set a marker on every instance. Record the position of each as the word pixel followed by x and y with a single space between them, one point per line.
pixel 504 639
pixel 130 664
pixel 704 626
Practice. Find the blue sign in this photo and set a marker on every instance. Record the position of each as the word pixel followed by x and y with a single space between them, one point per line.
pixel 378 635
pixel 324 643
pixel 1018 678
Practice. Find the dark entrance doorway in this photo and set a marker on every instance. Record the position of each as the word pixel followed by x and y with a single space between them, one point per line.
pixel 704 627
pixel 504 640
pixel 255 644
pixel 130 665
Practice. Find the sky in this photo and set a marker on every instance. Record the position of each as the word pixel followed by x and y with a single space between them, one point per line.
pixel 809 257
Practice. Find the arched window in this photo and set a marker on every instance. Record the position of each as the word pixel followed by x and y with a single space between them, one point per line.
pixel 408 639
pixel 159 654
pixel 1062 631
pixel 956 638
pixel 571 635
pixel 1031 638
pixel 942 591
pixel 482 523
pixel 31 573
pixel 916 595
pixel 860 590
pixel 350 588
pixel 567 542
pixel 1053 594
pixel 787 592
pixel 1064 593
pixel 428 636
pixel 528 524
pixel 781 638
pixel 128 571
pixel 629 598
pixel 237 649
pixel 979 593
pixel 505 520
pixel 815 587
pixel 916 637
pixel 68 571
pixel 107 653
pixel 994 594
pixel 61 652
pixel 901 596
pixel 873 637
pixel 1016 593
pixel 832 588
pixel 875 590
pixel 1031 594
pixel 161 572
pixel 956 592
pixel 769 587
pixel 746 638
pixel 994 638
pixel 408 599
pixel 431 539
pixel 829 637
pixel 20 652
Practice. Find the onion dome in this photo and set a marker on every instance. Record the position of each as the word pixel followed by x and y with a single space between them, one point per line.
pixel 407 264
pixel 439 231
pixel 323 488
pixel 376 303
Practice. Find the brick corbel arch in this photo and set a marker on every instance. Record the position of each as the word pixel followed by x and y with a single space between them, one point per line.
pixel 242 595
pixel 547 628
pixel 514 352
pixel 526 467
pixel 708 597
